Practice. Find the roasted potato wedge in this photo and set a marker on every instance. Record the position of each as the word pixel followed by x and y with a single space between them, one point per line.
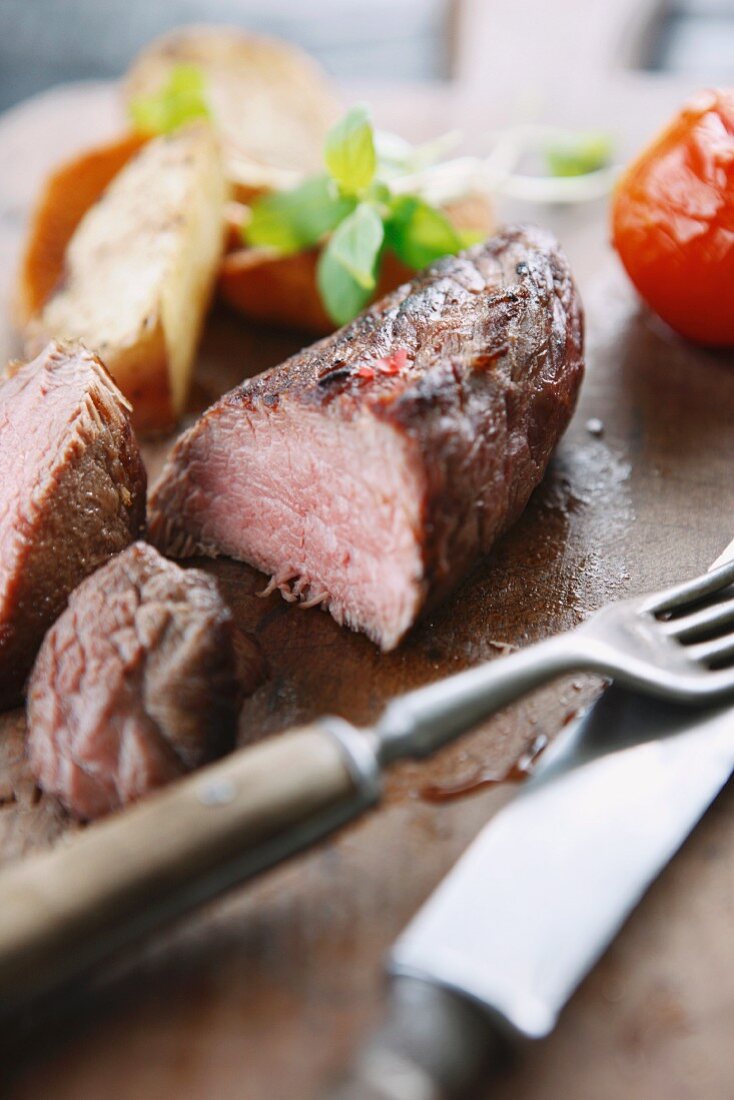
pixel 271 102
pixel 281 290
pixel 67 194
pixel 139 270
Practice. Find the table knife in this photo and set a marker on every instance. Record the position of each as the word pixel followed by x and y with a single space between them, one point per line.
pixel 499 948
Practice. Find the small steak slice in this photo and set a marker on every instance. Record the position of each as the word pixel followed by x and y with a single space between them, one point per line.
pixel 134 685
pixel 72 494
pixel 368 472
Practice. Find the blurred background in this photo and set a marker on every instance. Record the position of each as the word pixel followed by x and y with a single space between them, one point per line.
pixel 469 68
pixel 46 42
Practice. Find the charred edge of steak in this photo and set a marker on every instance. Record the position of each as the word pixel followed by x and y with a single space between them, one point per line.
pixel 85 501
pixel 135 684
pixel 473 369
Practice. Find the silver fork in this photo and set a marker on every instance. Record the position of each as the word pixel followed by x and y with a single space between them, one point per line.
pixel 666 643
pixel 69 907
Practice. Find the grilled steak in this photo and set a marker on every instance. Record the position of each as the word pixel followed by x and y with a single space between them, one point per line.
pixel 369 471
pixel 72 493
pixel 134 685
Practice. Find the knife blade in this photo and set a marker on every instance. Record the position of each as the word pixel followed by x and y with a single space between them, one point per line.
pixel 509 934
pixel 538 896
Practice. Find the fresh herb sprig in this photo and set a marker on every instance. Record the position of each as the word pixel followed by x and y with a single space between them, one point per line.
pixel 579 154
pixel 181 99
pixel 368 198
pixel 355 213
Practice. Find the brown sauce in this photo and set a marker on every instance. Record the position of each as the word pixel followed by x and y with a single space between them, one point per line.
pixel 516 773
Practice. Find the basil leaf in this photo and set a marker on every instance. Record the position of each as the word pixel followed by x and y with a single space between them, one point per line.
pixel 342 296
pixel 347 268
pixel 356 244
pixel 379 193
pixel 181 99
pixel 350 152
pixel 419 233
pixel 579 154
pixel 290 221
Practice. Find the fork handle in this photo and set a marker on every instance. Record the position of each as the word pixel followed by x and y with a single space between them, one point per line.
pixel 418 723
pixel 66 909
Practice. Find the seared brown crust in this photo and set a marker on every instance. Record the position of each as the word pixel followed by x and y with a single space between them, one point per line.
pixel 87 500
pixel 494 342
pixel 135 684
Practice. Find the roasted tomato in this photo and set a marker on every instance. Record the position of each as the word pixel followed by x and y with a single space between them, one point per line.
pixel 673 221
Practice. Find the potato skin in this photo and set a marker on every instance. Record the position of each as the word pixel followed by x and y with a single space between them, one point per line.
pixel 67 193
pixel 272 103
pixel 139 271
pixel 282 290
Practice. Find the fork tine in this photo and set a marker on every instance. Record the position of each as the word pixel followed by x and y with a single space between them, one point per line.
pixel 689 591
pixel 714 650
pixel 700 622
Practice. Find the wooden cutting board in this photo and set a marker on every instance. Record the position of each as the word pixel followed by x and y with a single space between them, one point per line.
pixel 265 993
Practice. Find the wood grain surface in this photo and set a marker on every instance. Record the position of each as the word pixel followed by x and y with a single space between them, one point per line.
pixel 266 992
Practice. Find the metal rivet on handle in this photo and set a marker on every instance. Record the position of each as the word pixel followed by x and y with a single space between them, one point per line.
pixel 217 792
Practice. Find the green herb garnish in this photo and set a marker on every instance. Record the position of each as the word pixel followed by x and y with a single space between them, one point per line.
pixel 349 153
pixel 181 99
pixel 417 232
pixel 290 221
pixel 355 211
pixel 347 268
pixel 579 154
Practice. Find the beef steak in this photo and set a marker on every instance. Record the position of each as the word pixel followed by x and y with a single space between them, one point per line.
pixel 368 472
pixel 72 494
pixel 134 685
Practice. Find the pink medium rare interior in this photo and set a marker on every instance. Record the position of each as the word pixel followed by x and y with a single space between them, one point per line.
pixel 37 408
pixel 329 507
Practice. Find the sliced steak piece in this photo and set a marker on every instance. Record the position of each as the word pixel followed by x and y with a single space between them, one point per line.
pixel 134 685
pixel 72 494
pixel 368 472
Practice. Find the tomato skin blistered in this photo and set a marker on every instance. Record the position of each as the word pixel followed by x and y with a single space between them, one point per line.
pixel 673 221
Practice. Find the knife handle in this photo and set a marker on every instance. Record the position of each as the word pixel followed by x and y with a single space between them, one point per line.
pixel 65 909
pixel 432 1045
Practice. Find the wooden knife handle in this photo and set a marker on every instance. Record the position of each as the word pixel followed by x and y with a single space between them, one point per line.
pixel 65 909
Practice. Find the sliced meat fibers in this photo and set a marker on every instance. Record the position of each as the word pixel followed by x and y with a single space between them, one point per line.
pixel 134 685
pixel 368 472
pixel 72 494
